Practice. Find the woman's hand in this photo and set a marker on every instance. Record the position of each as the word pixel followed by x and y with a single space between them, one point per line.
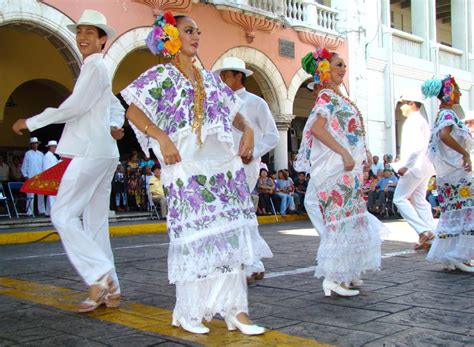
pixel 466 163
pixel 348 161
pixel 168 150
pixel 246 145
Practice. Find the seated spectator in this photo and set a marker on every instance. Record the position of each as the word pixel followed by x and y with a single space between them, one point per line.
pixel 265 188
pixel 383 190
pixel 4 170
pixel 284 189
pixel 387 159
pixel 370 180
pixel 155 187
pixel 376 166
pixel 300 191
pixel 133 189
pixel 432 196
pixel 119 188
pixel 132 165
pixel 15 169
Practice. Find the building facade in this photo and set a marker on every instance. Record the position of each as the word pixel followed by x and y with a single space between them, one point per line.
pixel 389 46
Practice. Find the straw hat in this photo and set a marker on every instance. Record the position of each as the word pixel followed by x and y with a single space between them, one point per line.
pixel 52 143
pixel 34 140
pixel 235 64
pixel 94 18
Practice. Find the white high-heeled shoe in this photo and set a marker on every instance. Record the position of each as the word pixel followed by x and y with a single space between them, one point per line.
pixel 461 266
pixel 195 328
pixel 233 324
pixel 335 287
pixel 355 283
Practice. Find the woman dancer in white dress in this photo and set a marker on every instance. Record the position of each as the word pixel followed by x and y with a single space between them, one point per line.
pixel 449 149
pixel 186 116
pixel 333 150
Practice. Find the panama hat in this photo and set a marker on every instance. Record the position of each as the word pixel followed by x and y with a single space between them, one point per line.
pixel 52 143
pixel 310 85
pixel 34 140
pixel 411 95
pixel 94 18
pixel 235 64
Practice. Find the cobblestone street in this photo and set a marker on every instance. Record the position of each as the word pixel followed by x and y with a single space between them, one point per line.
pixel 410 302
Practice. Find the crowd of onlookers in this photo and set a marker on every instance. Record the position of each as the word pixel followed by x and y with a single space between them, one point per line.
pixel 137 186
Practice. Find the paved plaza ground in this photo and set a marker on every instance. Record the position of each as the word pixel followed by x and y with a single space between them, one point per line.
pixel 410 302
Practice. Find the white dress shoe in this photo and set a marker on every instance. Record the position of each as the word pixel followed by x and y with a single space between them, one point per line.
pixel 233 324
pixel 330 286
pixel 461 266
pixel 195 328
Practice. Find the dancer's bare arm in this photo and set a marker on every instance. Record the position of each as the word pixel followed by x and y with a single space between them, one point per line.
pixel 144 124
pixel 448 140
pixel 319 131
pixel 247 140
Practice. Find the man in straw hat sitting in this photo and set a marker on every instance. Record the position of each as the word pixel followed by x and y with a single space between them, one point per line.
pixel 234 73
pixel 93 117
pixel 415 170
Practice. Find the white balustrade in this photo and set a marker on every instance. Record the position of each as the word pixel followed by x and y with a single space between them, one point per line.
pixel 406 43
pixel 450 56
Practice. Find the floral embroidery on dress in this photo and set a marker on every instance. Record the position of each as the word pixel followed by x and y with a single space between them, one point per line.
pixel 455 196
pixel 446 117
pixel 344 200
pixel 202 200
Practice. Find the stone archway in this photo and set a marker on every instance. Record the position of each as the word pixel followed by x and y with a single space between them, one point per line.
pixel 48 22
pixel 266 74
pixel 29 99
pixel 127 43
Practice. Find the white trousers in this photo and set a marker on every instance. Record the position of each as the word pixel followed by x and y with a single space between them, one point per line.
pixel 49 204
pixel 39 201
pixel 85 190
pixel 252 172
pixel 410 199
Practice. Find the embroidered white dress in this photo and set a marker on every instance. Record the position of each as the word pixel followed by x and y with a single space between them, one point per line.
pixel 455 231
pixel 211 220
pixel 350 239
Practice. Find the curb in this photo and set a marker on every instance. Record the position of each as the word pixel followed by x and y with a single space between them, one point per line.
pixel 122 230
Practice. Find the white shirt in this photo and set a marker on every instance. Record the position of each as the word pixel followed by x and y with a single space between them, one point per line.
pixel 49 160
pixel 413 152
pixel 377 167
pixel 88 114
pixel 32 163
pixel 258 114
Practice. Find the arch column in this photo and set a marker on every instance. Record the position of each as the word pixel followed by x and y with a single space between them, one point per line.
pixel 283 122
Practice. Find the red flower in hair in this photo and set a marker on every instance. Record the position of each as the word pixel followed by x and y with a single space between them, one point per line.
pixel 325 54
pixel 169 18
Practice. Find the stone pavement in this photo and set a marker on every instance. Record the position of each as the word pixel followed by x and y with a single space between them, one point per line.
pixel 410 302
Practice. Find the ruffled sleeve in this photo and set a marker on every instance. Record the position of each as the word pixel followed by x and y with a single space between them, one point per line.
pixel 322 108
pixel 143 94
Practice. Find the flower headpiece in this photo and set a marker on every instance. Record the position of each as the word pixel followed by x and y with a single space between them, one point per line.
pixel 164 37
pixel 435 86
pixel 317 64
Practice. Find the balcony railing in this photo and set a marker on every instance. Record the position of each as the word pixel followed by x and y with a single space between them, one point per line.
pixel 450 56
pixel 407 44
pixel 301 13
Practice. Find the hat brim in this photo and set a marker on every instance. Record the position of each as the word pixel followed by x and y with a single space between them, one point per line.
pixel 108 30
pixel 244 71
pixel 310 85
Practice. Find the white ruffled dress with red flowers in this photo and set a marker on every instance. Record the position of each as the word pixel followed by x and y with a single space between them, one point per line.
pixel 455 231
pixel 211 221
pixel 350 236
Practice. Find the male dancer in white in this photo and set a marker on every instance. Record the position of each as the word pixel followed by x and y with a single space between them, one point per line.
pixel 93 117
pixel 32 166
pixel 49 160
pixel 234 73
pixel 415 170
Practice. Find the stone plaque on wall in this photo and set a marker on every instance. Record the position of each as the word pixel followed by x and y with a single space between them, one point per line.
pixel 287 48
